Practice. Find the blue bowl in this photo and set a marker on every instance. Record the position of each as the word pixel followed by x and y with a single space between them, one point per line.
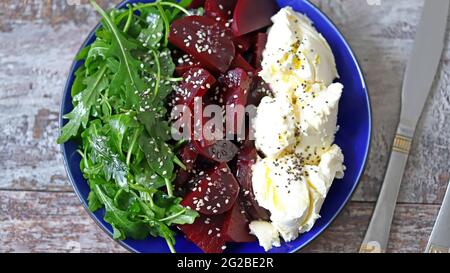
pixel 353 137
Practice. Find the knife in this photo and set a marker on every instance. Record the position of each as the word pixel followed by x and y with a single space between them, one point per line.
pixel 440 236
pixel 420 72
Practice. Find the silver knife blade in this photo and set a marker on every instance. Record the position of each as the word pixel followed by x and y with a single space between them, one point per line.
pixel 440 236
pixel 424 61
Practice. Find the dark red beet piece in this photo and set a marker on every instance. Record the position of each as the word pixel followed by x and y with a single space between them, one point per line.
pixel 184 62
pixel 214 192
pixel 249 16
pixel 235 228
pixel 243 43
pixel 246 159
pixel 196 4
pixel 237 84
pixel 205 39
pixel 196 82
pixel 259 90
pixel 206 233
pixel 222 9
pixel 188 156
pixel 213 147
pixel 219 151
pixel 261 41
pixel 240 62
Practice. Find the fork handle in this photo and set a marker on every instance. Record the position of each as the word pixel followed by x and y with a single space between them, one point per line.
pixel 377 235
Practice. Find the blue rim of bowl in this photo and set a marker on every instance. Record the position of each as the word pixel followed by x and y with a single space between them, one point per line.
pixel 67 88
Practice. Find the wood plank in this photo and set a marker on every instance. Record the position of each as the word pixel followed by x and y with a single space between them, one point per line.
pixel 56 222
pixel 53 12
pixel 49 222
pixel 49 33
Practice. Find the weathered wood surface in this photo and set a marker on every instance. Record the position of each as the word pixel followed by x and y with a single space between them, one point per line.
pixel 39 212
pixel 55 222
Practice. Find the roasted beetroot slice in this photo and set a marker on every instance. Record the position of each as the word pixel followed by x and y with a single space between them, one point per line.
pixel 212 147
pixel 196 4
pixel 245 160
pixel 222 9
pixel 240 62
pixel 205 39
pixel 214 192
pixel 235 228
pixel 188 156
pixel 206 233
pixel 181 179
pixel 259 90
pixel 219 151
pixel 249 16
pixel 196 82
pixel 185 62
pixel 237 83
pixel 243 43
pixel 261 41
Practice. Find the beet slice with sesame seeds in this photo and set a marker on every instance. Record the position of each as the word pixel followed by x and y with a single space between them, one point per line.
pixel 188 155
pixel 184 62
pixel 240 62
pixel 205 39
pixel 260 45
pixel 246 158
pixel 249 17
pixel 235 228
pixel 219 151
pixel 213 147
pixel 214 191
pixel 236 82
pixel 244 43
pixel 196 82
pixel 206 233
pixel 258 91
pixel 222 9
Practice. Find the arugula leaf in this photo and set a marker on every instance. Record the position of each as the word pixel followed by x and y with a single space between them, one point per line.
pixel 86 99
pixel 99 49
pixel 158 154
pixel 179 215
pixel 152 35
pixel 93 202
pixel 123 227
pixel 102 152
pixel 155 125
pixel 78 83
pixel 150 180
pixel 119 124
pixel 128 71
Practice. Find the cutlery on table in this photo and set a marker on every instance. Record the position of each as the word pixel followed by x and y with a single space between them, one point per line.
pixel 440 236
pixel 420 72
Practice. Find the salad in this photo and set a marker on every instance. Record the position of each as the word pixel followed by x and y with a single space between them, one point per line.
pixel 163 106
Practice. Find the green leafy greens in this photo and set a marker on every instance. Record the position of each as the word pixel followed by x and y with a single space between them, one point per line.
pixel 119 117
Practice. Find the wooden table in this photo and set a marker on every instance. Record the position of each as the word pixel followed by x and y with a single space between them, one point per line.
pixel 39 211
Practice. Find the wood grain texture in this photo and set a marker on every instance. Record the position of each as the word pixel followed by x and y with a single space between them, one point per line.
pixel 49 222
pixel 55 222
pixel 38 40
